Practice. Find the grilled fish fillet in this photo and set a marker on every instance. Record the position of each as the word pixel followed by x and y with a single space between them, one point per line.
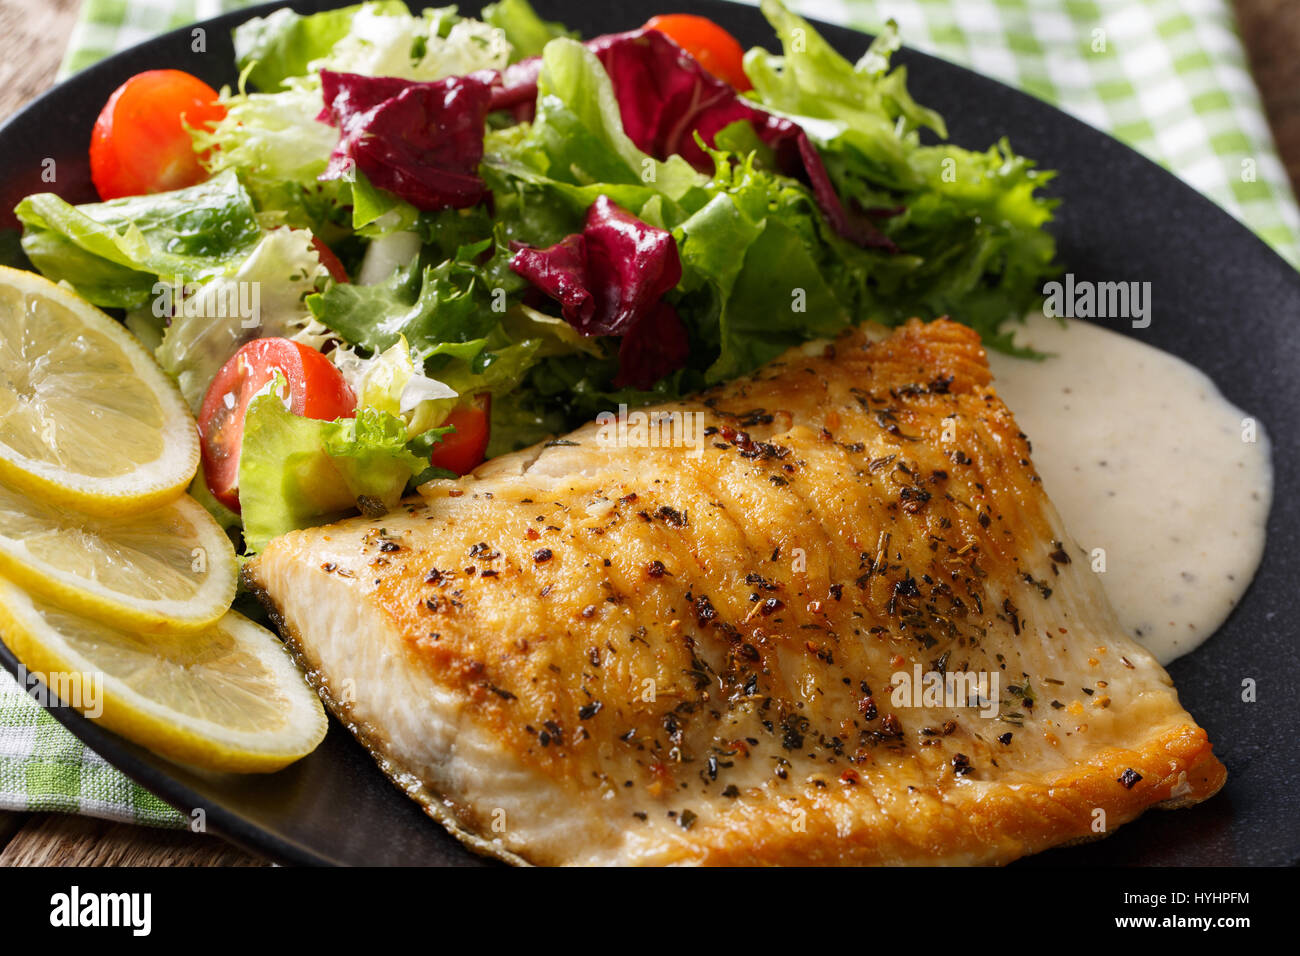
pixel 586 654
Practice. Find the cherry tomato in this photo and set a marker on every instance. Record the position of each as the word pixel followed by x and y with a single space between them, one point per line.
pixel 140 143
pixel 329 260
pixel 715 49
pixel 316 390
pixel 462 450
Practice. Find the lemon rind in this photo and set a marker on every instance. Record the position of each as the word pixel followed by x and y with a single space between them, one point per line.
pixel 179 737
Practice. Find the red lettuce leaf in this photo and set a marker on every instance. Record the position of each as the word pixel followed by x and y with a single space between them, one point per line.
pixel 610 280
pixel 420 141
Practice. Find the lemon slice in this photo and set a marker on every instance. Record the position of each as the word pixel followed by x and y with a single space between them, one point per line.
pixel 228 698
pixel 169 569
pixel 86 417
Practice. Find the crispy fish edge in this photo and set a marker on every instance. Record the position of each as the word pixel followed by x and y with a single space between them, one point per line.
pixel 432 803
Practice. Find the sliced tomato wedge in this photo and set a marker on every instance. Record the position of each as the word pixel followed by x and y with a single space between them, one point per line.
pixel 140 143
pixel 316 390
pixel 713 47
pixel 461 451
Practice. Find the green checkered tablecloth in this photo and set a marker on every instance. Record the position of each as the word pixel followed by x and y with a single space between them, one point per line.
pixel 1169 77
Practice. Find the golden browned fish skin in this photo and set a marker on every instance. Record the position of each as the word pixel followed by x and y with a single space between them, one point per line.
pixel 589 654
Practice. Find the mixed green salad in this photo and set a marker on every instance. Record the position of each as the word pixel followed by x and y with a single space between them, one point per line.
pixel 407 241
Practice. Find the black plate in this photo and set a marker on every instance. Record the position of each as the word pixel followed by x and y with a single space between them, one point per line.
pixel 1221 299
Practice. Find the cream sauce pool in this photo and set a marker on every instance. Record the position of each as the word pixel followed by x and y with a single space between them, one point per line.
pixel 1147 461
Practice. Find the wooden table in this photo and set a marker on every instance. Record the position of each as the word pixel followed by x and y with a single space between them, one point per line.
pixel 33 34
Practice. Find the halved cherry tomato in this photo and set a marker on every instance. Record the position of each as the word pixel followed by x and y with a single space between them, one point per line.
pixel 462 450
pixel 316 390
pixel 140 143
pixel 329 260
pixel 715 49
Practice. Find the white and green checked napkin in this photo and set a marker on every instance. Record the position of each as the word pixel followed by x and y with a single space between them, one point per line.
pixel 1169 77
pixel 44 767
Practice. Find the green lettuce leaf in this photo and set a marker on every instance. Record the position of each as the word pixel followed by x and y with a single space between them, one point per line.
pixel 429 305
pixel 200 492
pixel 490 364
pixel 865 103
pixel 979 237
pixel 391 383
pixel 777 300
pixel 971 227
pixel 435 44
pixel 377 212
pixel 296 472
pixel 281 44
pixel 577 387
pixel 276 146
pixel 527 32
pixel 114 252
pixel 524 420
pixel 448 316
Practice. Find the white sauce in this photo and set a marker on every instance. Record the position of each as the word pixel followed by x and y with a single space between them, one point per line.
pixel 1144 458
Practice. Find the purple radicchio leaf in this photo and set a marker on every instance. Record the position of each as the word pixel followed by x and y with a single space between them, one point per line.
pixel 560 272
pixel 665 97
pixel 652 348
pixel 420 141
pixel 517 89
pixel 610 280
